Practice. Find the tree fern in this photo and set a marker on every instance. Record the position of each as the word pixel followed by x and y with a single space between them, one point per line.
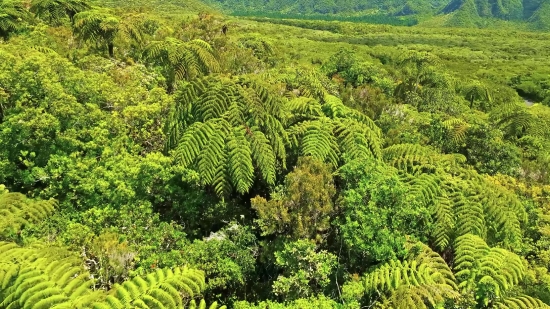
pixel 164 288
pixel 228 129
pixel 326 129
pixel 17 211
pixel 490 273
pixel 42 277
pixel 181 60
pixel 102 28
pixel 517 120
pixel 202 305
pixel 12 16
pixel 423 280
pixel 477 91
pixel 456 129
pixel 55 10
pixel 521 302
pixel 462 200
pixel 477 263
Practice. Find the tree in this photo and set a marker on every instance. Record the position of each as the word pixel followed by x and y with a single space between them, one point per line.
pixel 378 213
pixel 478 92
pixel 306 270
pixel 12 16
pixel 326 129
pixel 181 60
pixel 55 10
pixel 304 207
pixel 421 79
pixel 422 280
pixel 102 28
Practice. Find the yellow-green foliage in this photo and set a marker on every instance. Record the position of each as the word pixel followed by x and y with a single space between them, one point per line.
pixel 226 128
pixel 165 288
pixel 304 207
pixel 54 11
pixel 423 280
pixel 16 211
pixel 41 276
pixel 101 27
pixel 462 200
pixel 478 264
pixel 327 129
pixel 182 60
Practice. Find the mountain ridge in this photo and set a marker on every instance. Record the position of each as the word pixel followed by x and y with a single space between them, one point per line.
pixel 458 13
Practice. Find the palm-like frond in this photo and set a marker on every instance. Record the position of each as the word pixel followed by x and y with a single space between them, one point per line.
pixel 495 269
pixel 326 129
pixel 42 277
pixel 55 10
pixel 517 120
pixel 101 27
pixel 227 129
pixel 423 280
pixel 165 288
pixel 12 17
pixel 17 211
pixel 182 60
pixel 462 201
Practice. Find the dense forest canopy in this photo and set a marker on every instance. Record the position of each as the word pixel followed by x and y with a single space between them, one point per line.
pixel 161 154
pixel 529 14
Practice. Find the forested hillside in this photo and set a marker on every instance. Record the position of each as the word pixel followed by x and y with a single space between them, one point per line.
pixel 160 154
pixel 531 14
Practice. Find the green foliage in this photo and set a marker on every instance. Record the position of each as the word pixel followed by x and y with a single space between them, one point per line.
pixel 16 212
pixel 490 272
pixel 102 28
pixel 12 16
pixel 324 130
pixel 44 276
pixel 321 302
pixel 306 270
pixel 461 200
pixel 55 10
pixel 164 288
pixel 227 257
pixel 438 135
pixel 303 207
pixel 423 280
pixel 181 61
pixel 227 128
pixel 378 214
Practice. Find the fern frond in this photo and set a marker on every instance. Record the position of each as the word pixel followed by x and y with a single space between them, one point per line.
pixel 477 263
pixel 520 302
pixel 17 211
pixel 40 277
pixel 410 157
pixel 164 288
pixel 423 280
pixel 456 129
pixel 227 129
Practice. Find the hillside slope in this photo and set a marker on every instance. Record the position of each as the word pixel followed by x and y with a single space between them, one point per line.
pixel 462 13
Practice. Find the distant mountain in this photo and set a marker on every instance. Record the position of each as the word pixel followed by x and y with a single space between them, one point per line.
pixel 461 13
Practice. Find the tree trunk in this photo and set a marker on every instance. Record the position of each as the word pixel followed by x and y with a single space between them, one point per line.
pixel 111 47
pixel 71 15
